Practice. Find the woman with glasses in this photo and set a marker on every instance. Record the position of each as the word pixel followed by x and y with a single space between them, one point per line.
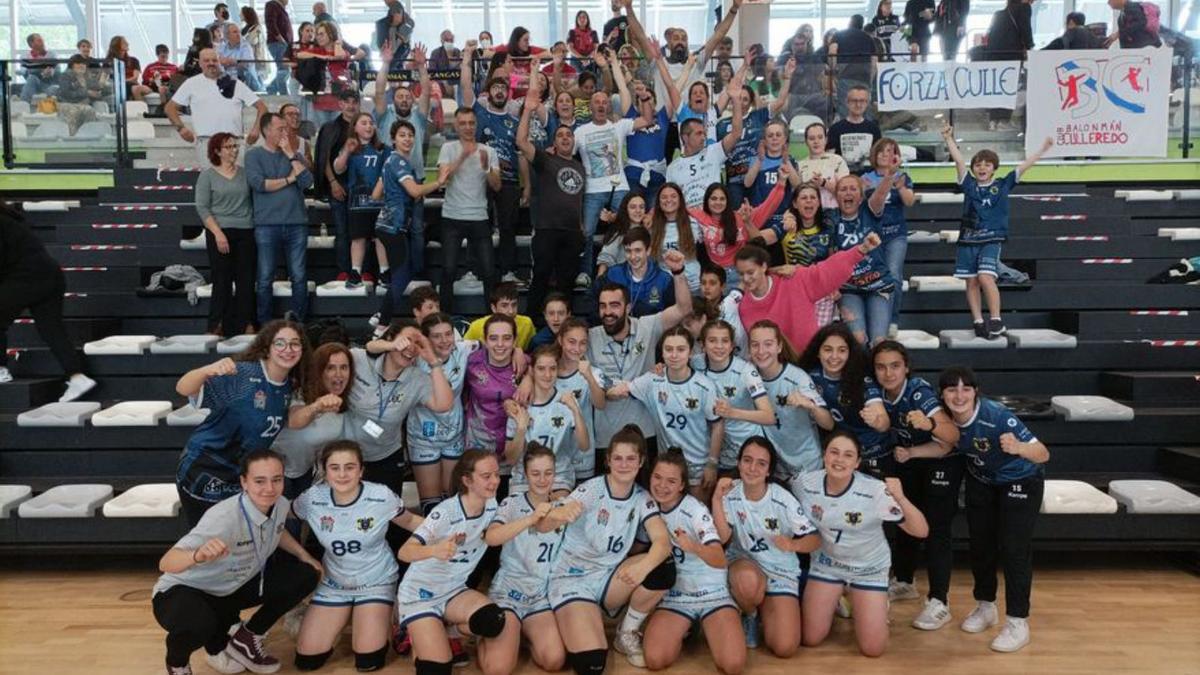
pixel 223 202
pixel 247 397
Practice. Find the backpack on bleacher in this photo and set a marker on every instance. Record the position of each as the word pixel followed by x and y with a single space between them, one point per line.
pixel 324 331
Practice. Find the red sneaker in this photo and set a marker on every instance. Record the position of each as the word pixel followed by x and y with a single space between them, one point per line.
pixel 342 276
pixel 401 642
pixel 368 278
pixel 459 657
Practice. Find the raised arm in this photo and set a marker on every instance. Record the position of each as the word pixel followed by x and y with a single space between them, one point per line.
pixel 721 30
pixel 781 100
pixel 464 75
pixel 381 80
pixel 1033 159
pixel 532 101
pixel 735 131
pixel 422 62
pixel 672 315
pixel 959 164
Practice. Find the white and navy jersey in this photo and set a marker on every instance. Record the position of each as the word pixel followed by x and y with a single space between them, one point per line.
pixel 731 315
pixel 682 411
pixel 873 442
pixel 553 425
pixel 739 384
pixel 916 394
pixel 431 578
pixel 600 537
pixel 979 440
pixel 756 524
pixel 851 522
pixel 794 433
pixel 577 384
pixel 526 559
pixel 353 535
pixel 692 574
pixel 426 426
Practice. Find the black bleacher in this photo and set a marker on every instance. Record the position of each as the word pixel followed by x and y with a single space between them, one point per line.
pixel 1118 354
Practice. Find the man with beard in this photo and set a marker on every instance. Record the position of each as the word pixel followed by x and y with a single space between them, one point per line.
pixel 216 103
pixel 415 110
pixel 623 347
pixel 497 128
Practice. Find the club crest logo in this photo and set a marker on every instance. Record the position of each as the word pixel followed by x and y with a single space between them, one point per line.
pixel 364 524
pixel 817 512
pixel 602 517
pixel 260 400
pixel 556 421
pixel 781 401
pixel 741 516
pixel 981 445
pixel 578 394
pixel 662 396
pixel 327 523
pixel 460 538
pixel 693 403
pixel 772 524
pixel 730 392
pixel 854 517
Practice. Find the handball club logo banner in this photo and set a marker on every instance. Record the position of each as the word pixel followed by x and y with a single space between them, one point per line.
pixel 1094 103
pixel 937 86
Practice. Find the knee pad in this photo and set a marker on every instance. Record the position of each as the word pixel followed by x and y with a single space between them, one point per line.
pixel 424 667
pixel 311 661
pixel 487 621
pixel 370 661
pixel 591 662
pixel 661 578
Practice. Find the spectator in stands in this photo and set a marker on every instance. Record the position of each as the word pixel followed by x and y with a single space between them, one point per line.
pixel 807 240
pixel 852 57
pixel 291 114
pixel 1009 37
pixel 279 39
pixel 330 183
pixel 118 49
pixel 254 34
pixel 207 578
pixel 217 27
pixel 31 280
pixel 671 229
pixel 464 208
pixel 38 68
pixel 556 310
pixel 1134 26
pixel 84 48
pixel 503 302
pixel 216 103
pixel 201 40
pixel 74 85
pixel 893 226
pixel 616 29
pixel 157 76
pixel 582 39
pixel 646 160
pixel 223 202
pixel 950 22
pixel 853 136
pixel 756 114
pixel 315 417
pixel 822 168
pixel 724 229
pixel 361 160
pixel 866 304
pixel 321 14
pixel 278 177
pixel 1076 35
pixel 519 53
pixel 395 29
pixel 445 57
pixel 329 81
pixel 649 285
pixel 699 165
pixel 631 213
pixel 236 57
pixel 918 14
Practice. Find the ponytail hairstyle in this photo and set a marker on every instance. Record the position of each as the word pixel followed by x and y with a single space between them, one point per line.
pixel 466 467
pixel 717 324
pixel 630 434
pixel 787 353
pixel 674 457
pixel 846 434
pixel 677 331
pixel 335 447
pixel 773 454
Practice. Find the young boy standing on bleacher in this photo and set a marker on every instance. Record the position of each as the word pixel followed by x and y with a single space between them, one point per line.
pixel 984 228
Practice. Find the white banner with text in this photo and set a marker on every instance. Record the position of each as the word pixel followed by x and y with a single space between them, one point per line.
pixel 930 86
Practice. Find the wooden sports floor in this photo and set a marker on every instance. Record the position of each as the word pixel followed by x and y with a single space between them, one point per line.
pixel 1110 614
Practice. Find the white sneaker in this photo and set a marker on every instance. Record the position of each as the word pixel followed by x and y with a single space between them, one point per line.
pixel 469 278
pixel 893 331
pixel 983 617
pixel 1013 636
pixel 935 615
pixel 902 590
pixel 5 376
pixel 843 608
pixel 224 663
pixel 630 644
pixel 509 278
pixel 415 284
pixel 583 281
pixel 374 320
pixel 77 386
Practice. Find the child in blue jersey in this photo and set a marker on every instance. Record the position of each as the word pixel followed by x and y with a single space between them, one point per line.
pixel 808 239
pixel 248 397
pixel 741 397
pixel 764 174
pixel 984 228
pixel 592 571
pixel 552 419
pixel 799 407
pixel 840 368
pixel 893 227
pixel 922 431
pixel 683 404
pixel 349 517
pixel 361 158
pixel 866 303
pixel 522 584
pixel 441 554
pixel 849 510
pixel 1005 482
pixel 700 594
pixel 767 529
pixel 587 385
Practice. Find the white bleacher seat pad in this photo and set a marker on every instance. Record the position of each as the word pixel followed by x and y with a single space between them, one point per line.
pixel 937 284
pixel 283 289
pixel 966 339
pixel 52 129
pixel 317 241
pixel 19 130
pixel 19 107
pixel 194 244
pixel 1187 195
pixel 1186 234
pixel 93 130
pixel 132 414
pixel 235 344
pixel 140 130
pixel 924 237
pixel 1153 496
pixel 153 500
pixel 136 109
pixel 410 497
pixel 67 501
pixel 119 344
pixel 1170 231
pixel 72 414
pixel 187 416
pixel 185 344
pixel 337 289
pixel 949 236
pixel 1075 496
pixel 1040 338
pixel 939 198
pixel 1149 195
pixel 47 205
pixel 917 339
pixel 12 496
pixel 1091 409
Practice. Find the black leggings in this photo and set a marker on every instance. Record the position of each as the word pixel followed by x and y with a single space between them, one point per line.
pixel 506 209
pixel 44 299
pixel 933 486
pixel 231 310
pixel 555 262
pixel 1001 520
pixel 195 619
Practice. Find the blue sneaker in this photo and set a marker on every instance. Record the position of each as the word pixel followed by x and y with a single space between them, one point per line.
pixel 750 628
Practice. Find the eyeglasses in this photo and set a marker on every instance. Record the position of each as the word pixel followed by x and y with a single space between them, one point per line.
pixel 287 345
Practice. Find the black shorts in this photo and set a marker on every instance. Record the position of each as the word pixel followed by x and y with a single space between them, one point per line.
pixel 362 223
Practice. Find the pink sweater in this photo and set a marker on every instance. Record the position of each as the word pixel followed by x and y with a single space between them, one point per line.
pixel 789 302
pixel 721 253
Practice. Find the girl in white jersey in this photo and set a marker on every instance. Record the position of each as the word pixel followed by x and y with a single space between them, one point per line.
pixel 441 555
pixel 575 375
pixel 767 528
pixel 849 509
pixel 700 594
pixel 350 517
pixel 592 571
pixel 521 586
pixel 741 398
pixel 552 419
